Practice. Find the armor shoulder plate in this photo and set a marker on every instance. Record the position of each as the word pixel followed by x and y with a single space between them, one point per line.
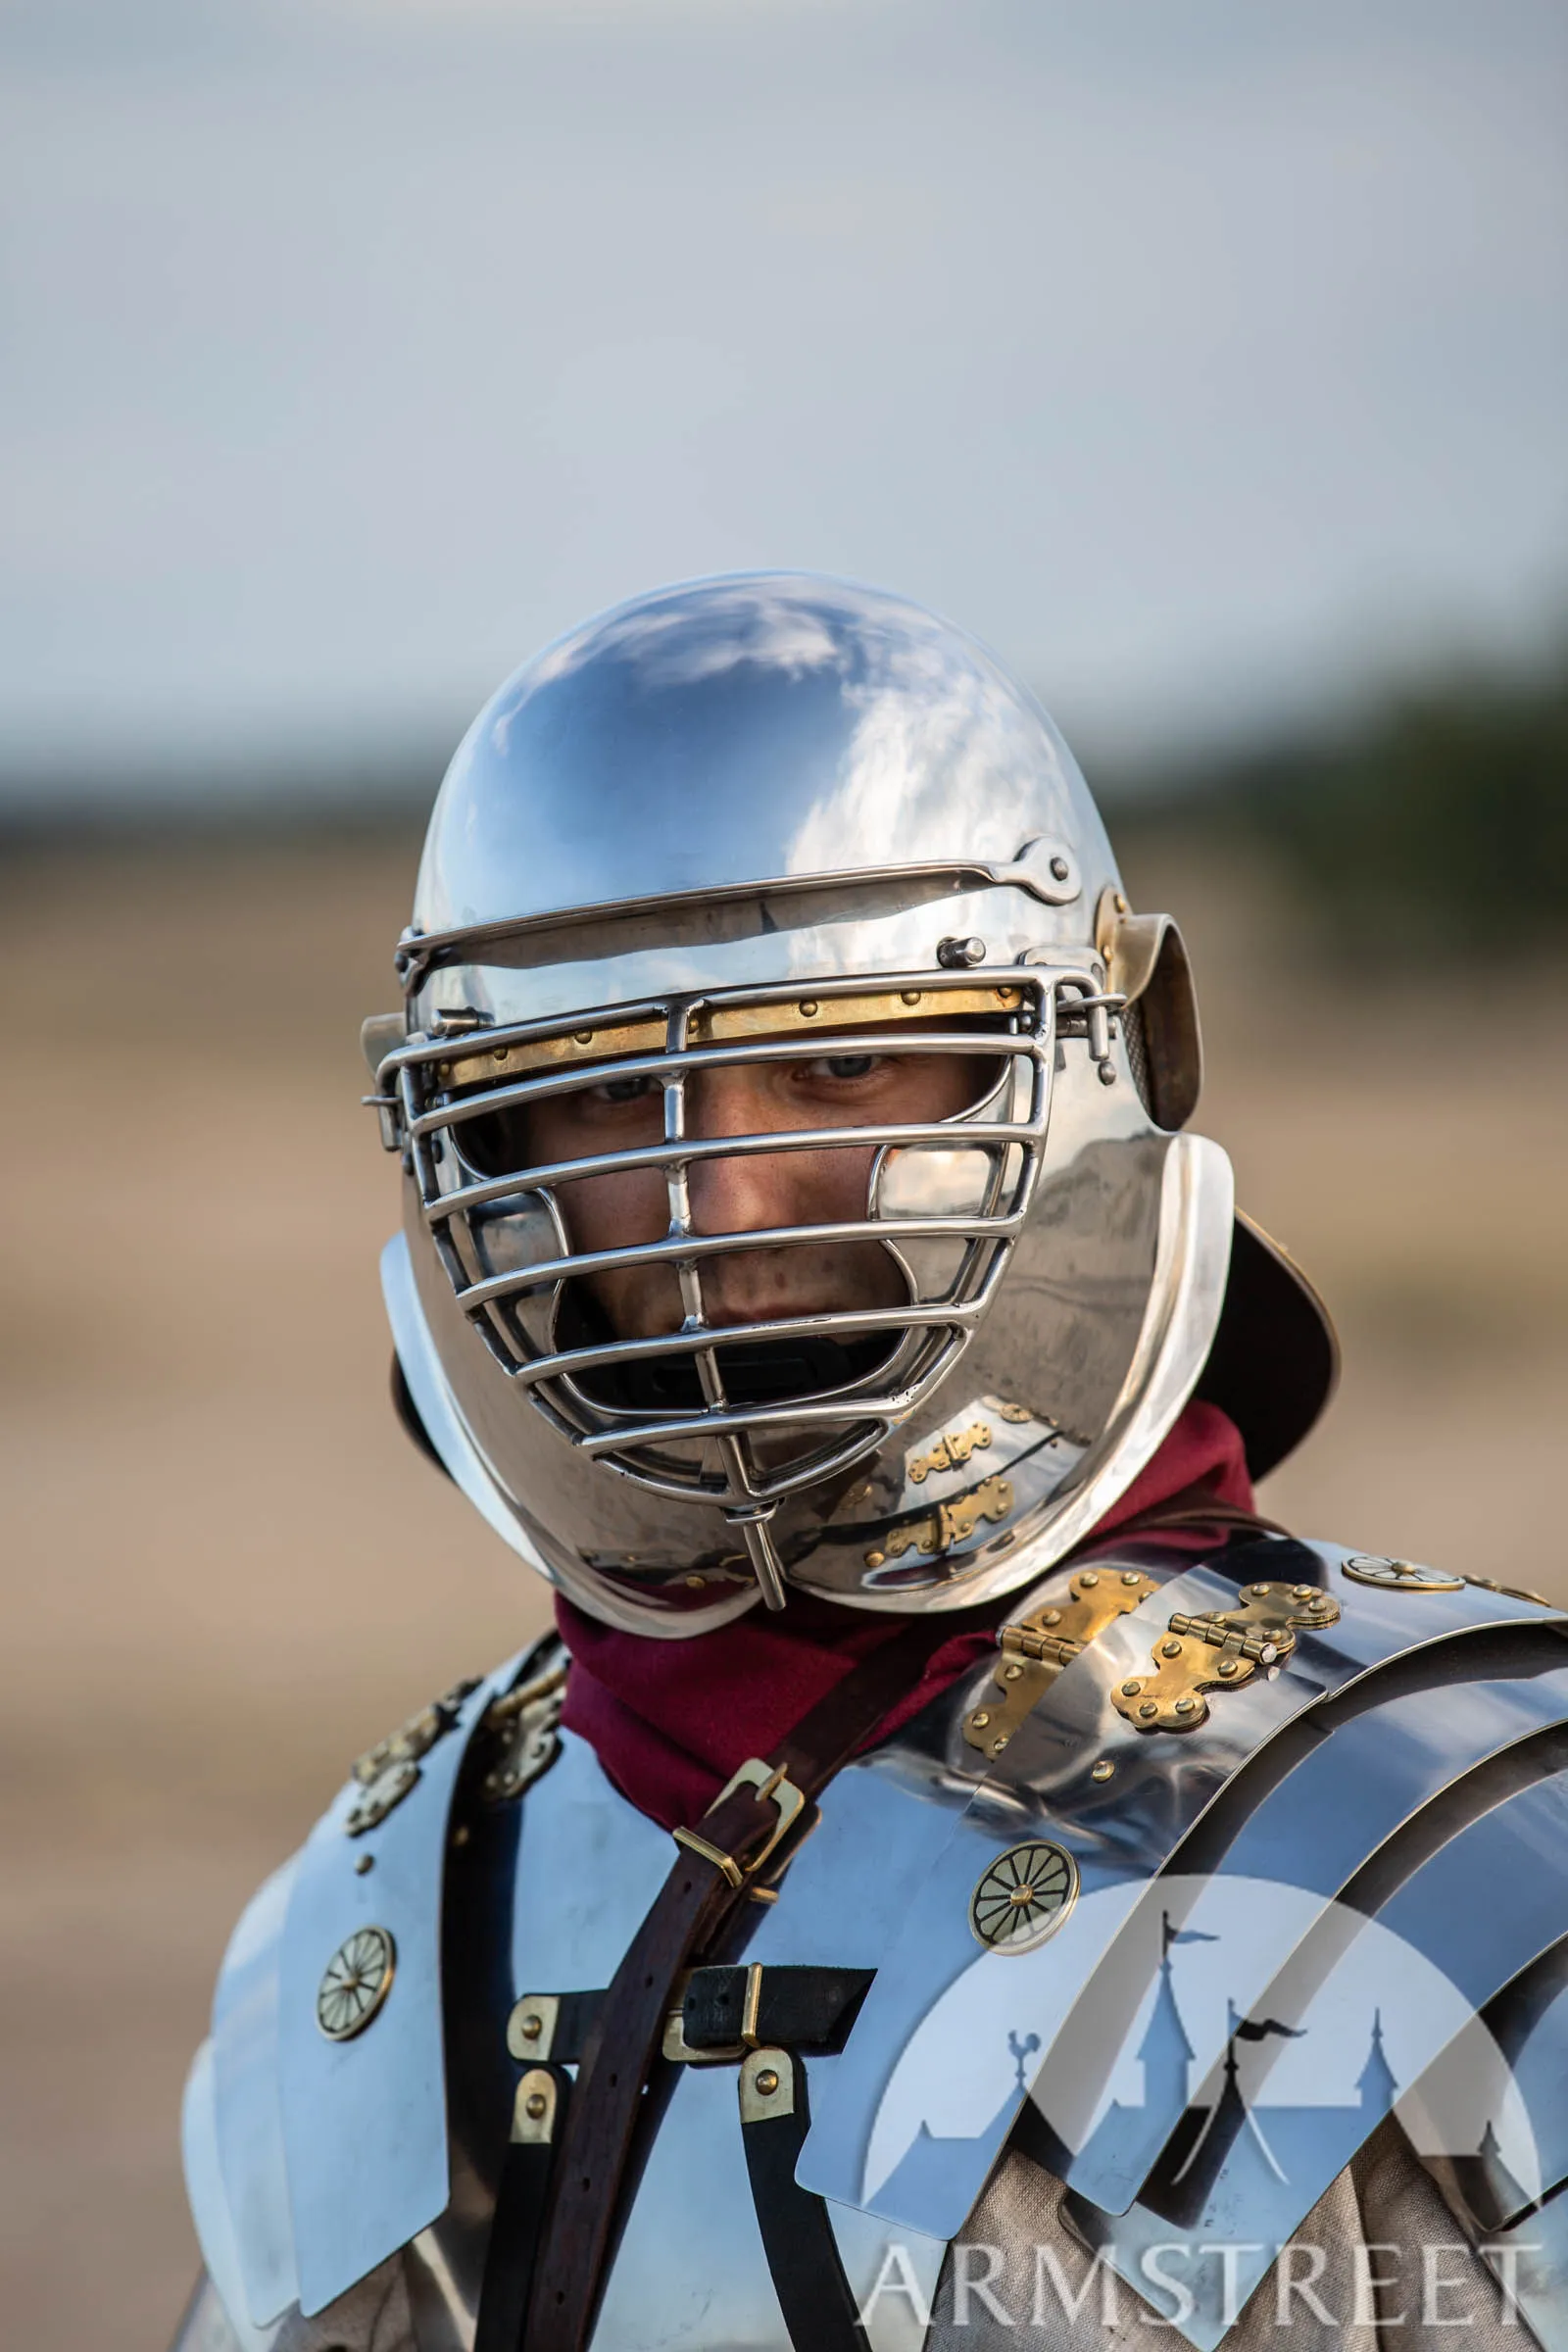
pixel 1331 1771
pixel 326 2036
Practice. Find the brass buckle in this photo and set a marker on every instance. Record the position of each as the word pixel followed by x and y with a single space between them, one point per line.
pixel 675 2046
pixel 681 2052
pixel 770 1781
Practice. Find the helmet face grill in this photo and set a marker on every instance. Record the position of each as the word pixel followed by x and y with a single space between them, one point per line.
pixel 738 1415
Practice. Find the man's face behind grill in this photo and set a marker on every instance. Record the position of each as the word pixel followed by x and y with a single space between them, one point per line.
pixel 748 1192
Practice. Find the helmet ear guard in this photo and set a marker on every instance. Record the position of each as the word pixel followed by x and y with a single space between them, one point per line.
pixel 1146 965
pixel 1275 1362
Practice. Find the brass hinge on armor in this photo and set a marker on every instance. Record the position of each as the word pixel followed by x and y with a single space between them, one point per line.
pixel 770 1782
pixel 522 1722
pixel 523 1726
pixel 388 1770
pixel 1036 1648
pixel 1219 1651
pixel 950 1452
pixel 948 1524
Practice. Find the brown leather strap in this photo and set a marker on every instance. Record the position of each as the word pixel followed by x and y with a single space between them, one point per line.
pixel 1192 1507
pixel 687 1915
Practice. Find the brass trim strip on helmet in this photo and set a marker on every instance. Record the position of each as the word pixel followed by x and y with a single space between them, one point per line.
pixel 714 1024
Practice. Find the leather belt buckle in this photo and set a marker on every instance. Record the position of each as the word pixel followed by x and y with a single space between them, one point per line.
pixel 770 1781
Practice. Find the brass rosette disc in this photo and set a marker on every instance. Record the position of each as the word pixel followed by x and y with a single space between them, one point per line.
pixel 1023 1897
pixel 354 1984
pixel 1398 1576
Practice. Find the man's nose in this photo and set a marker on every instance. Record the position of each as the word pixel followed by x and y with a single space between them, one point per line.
pixel 754 1189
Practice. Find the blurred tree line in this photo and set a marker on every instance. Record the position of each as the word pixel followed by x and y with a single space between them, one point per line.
pixel 1435 812
pixel 1439 813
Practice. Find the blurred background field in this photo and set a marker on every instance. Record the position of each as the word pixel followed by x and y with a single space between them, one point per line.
pixel 1212 363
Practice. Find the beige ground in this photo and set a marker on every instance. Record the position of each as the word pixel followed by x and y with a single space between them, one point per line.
pixel 226 1572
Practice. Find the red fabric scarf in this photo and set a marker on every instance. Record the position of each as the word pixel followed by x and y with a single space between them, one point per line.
pixel 672 1720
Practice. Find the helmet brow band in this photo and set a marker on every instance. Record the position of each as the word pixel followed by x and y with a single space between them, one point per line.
pixel 712 1024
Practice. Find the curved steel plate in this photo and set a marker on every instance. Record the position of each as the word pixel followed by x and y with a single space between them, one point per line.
pixel 925 2097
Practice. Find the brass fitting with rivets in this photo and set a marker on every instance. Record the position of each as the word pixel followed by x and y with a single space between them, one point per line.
pixel 951 1451
pixel 387 1772
pixel 1219 1651
pixel 523 1729
pixel 767 2085
pixel 1036 1648
pixel 950 1523
pixel 533 2109
pixel 531 2027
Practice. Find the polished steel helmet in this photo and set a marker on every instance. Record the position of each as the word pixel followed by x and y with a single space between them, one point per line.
pixel 745 821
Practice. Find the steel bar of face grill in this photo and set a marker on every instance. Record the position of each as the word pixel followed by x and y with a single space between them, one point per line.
pixel 975 1044
pixel 680 1203
pixel 592 1049
pixel 717 1422
pixel 764 1559
pixel 472 1057
pixel 572 1360
pixel 692 1149
pixel 695 1246
pixel 855 1401
pixel 733 1449
pixel 774 1490
pixel 955 1321
pixel 710 1491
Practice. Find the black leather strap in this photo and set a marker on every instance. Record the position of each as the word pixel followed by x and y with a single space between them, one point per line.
pixel 521 2203
pixel 803 2254
pixel 723 2010
pixel 804 2008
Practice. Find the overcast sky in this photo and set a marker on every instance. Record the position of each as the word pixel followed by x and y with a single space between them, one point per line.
pixel 1204 358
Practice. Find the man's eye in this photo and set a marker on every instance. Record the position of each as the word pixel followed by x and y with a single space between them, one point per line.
pixel 845 1065
pixel 621 1090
